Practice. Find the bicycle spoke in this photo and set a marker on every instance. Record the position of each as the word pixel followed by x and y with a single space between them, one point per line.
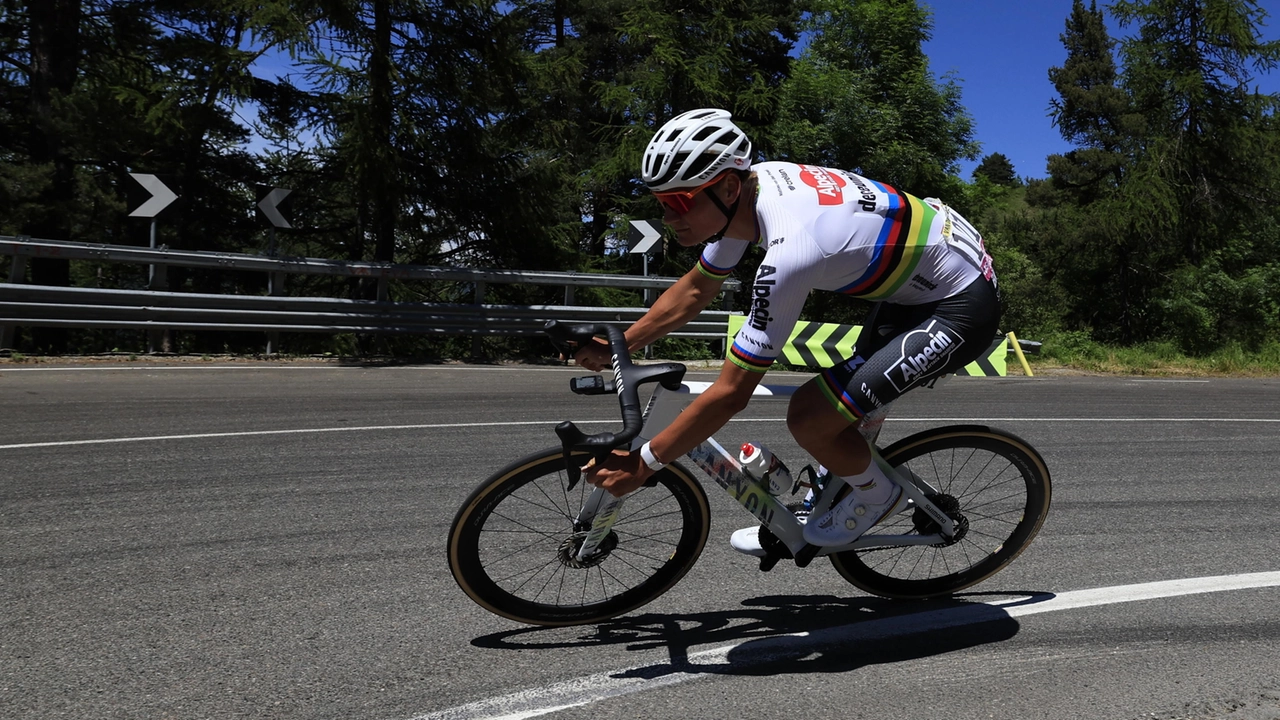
pixel 517 523
pixel 550 506
pixel 632 520
pixel 651 535
pixel 534 571
pixel 555 508
pixel 504 554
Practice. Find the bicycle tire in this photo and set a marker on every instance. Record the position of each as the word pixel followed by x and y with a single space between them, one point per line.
pixel 994 476
pixel 510 545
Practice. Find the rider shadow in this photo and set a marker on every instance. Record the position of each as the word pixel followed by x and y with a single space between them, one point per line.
pixel 793 634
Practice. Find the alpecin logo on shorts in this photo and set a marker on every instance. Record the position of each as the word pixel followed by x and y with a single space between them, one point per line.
pixel 923 351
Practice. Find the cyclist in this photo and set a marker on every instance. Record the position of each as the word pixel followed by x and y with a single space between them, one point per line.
pixel 819 228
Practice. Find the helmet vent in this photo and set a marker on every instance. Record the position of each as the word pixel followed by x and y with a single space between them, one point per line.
pixel 705 133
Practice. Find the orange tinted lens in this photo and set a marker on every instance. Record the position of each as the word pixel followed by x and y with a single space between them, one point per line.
pixel 679 202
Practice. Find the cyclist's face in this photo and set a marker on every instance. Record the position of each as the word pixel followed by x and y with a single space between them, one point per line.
pixel 692 214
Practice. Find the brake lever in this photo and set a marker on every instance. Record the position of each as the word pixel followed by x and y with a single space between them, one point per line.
pixel 570 435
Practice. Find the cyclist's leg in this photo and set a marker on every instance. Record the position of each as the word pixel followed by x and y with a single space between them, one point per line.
pixel 824 417
pixel 923 343
pixel 901 347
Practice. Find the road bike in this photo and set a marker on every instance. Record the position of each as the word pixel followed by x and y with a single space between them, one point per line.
pixel 535 544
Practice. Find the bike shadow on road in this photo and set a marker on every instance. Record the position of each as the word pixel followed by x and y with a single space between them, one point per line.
pixel 793 634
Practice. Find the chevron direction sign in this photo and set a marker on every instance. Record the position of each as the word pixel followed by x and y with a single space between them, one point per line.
pixel 814 344
pixel 274 205
pixel 161 196
pixel 645 236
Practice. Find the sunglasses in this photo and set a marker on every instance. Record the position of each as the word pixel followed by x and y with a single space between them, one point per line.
pixel 681 201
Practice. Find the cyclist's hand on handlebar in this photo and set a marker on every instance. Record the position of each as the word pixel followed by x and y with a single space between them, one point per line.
pixel 620 473
pixel 594 356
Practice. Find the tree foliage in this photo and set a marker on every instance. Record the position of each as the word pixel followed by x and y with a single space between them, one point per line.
pixel 862 97
pixel 998 170
pixel 508 134
pixel 1160 224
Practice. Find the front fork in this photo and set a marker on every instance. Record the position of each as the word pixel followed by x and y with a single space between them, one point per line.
pixel 601 510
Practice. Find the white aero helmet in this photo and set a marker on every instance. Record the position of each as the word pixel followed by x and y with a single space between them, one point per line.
pixel 692 148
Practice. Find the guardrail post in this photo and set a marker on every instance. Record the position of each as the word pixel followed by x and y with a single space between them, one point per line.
pixel 158 339
pixel 481 288
pixel 568 294
pixel 17 274
pixel 18 269
pixel 275 286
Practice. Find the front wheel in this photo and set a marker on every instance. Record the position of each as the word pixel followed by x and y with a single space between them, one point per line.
pixel 512 547
pixel 992 483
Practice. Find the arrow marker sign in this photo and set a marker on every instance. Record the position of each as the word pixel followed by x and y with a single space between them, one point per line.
pixel 645 234
pixel 161 196
pixel 270 206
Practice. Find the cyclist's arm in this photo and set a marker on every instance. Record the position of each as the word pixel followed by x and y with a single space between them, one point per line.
pixel 674 308
pixel 778 293
pixel 709 412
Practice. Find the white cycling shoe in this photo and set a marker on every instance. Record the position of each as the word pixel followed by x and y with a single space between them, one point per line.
pixel 747 541
pixel 851 518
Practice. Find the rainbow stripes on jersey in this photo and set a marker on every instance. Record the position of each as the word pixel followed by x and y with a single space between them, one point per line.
pixel 898 248
pixel 711 271
pixel 749 361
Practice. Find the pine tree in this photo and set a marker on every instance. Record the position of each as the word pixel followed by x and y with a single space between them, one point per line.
pixel 997 169
pixel 1205 148
pixel 1091 111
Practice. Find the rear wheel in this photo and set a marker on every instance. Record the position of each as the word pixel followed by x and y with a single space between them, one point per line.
pixel 993 484
pixel 513 545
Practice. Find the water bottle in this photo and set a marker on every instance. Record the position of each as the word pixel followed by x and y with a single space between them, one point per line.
pixel 765 468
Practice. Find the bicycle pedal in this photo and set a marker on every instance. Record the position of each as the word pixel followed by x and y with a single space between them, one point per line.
pixel 767 562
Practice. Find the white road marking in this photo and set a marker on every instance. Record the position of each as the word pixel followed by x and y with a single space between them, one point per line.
pixel 614 683
pixel 552 423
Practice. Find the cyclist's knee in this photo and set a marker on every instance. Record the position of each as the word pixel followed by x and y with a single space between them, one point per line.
pixel 810 414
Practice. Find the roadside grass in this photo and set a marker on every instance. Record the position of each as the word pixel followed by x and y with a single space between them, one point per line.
pixel 1075 351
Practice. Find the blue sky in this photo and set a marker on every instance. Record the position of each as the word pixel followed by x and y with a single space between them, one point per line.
pixel 1000 52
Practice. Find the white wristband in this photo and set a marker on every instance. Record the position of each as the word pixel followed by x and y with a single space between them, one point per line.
pixel 646 454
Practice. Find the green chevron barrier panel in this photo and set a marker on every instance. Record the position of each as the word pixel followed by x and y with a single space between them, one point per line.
pixel 814 344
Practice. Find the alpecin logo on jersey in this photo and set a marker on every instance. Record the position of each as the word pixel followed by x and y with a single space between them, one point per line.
pixel 828 185
pixel 923 351
pixel 760 315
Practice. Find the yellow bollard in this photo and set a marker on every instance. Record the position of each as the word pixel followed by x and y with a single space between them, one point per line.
pixel 1017 350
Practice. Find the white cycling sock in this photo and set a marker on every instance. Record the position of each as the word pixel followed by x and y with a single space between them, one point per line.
pixel 872 485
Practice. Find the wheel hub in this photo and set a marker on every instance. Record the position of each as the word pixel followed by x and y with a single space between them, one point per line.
pixel 568 552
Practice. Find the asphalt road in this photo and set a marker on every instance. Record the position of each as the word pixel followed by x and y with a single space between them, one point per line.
pixel 268 542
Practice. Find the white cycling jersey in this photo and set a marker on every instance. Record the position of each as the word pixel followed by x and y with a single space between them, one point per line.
pixel 833 230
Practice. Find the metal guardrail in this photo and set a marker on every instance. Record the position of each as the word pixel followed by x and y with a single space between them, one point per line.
pixel 156 309
pixel 80 307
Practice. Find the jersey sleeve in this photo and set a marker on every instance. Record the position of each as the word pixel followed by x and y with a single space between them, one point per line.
pixel 782 283
pixel 718 259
